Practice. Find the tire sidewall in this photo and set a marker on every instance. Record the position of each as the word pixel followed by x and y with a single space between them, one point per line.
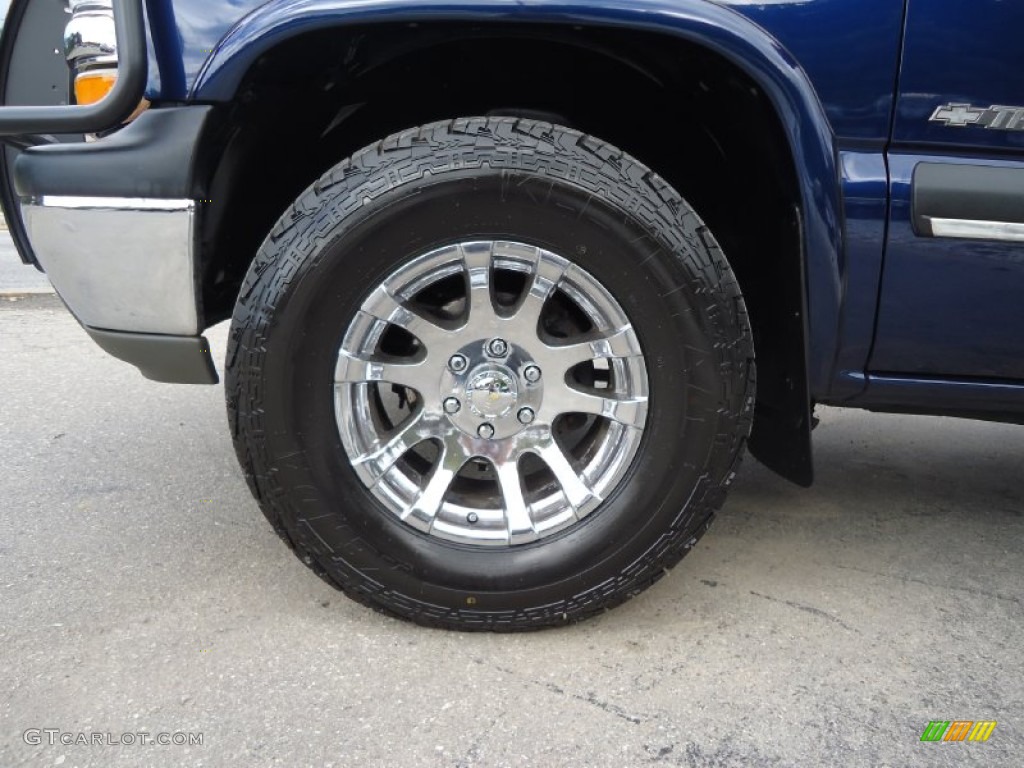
pixel 656 273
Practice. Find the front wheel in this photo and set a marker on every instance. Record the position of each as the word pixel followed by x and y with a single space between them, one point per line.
pixel 490 374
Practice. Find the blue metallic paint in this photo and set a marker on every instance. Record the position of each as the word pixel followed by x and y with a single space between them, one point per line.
pixel 865 199
pixel 960 51
pixel 830 68
pixel 167 64
pixel 715 26
pixel 855 88
pixel 850 51
pixel 996 401
pixel 952 308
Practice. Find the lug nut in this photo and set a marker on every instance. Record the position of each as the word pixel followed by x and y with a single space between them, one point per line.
pixel 497 348
pixel 532 374
pixel 457 363
pixel 452 405
pixel 526 415
pixel 472 518
pixel 486 431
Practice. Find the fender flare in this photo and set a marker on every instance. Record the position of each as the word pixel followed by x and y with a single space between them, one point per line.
pixel 717 28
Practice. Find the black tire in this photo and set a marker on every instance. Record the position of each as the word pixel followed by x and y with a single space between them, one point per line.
pixel 493 178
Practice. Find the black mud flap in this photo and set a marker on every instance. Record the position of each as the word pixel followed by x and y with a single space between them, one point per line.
pixel 781 439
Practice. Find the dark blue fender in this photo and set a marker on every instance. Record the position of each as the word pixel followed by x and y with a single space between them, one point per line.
pixel 848 106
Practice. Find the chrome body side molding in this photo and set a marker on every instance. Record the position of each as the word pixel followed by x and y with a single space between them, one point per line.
pixel 973 229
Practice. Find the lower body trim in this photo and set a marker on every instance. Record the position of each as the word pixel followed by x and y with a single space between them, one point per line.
pixel 172 359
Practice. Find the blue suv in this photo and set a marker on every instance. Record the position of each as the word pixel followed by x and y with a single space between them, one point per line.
pixel 513 284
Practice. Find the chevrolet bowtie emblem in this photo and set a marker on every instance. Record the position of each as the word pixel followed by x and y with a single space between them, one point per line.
pixel 996 118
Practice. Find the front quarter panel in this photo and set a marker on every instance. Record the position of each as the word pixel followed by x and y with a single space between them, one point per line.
pixel 850 51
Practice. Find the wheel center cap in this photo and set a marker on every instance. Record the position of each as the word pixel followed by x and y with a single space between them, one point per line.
pixel 492 393
pixel 491 396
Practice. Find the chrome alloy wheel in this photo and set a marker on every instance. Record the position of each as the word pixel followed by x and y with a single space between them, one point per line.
pixel 490 393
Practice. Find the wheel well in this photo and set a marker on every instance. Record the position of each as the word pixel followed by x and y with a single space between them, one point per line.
pixel 683 110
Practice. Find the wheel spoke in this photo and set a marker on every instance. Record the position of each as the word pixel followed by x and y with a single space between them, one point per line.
pixel 621 343
pixel 517 514
pixel 480 304
pixel 423 510
pixel 577 492
pixel 383 306
pixel 547 273
pixel 352 369
pixel 631 411
pixel 383 455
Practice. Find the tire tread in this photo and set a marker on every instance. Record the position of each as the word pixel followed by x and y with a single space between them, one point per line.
pixel 496 143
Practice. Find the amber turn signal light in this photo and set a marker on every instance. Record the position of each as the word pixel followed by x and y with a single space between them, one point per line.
pixel 91 87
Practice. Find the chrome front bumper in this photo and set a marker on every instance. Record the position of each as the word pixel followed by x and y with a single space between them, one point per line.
pixel 114 225
pixel 120 264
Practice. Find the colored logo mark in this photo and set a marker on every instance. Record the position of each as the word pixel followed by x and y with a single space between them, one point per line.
pixel 958 730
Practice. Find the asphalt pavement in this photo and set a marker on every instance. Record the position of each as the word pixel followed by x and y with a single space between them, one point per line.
pixel 141 591
pixel 15 277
